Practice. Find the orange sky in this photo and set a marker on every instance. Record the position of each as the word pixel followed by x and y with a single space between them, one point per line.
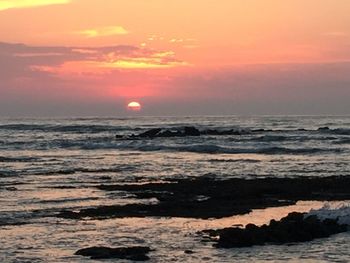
pixel 163 50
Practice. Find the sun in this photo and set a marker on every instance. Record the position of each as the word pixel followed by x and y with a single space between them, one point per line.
pixel 134 106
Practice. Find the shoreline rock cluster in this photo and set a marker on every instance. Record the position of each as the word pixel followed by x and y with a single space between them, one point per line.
pixel 294 228
pixel 205 197
pixel 131 253
pixel 183 132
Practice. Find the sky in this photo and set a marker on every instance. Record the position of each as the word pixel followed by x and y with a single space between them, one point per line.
pixel 184 57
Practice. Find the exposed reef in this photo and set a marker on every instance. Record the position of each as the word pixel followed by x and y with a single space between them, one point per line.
pixel 130 253
pixel 184 132
pixel 206 197
pixel 296 227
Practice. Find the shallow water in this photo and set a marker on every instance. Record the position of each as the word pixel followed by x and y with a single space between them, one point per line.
pixel 41 160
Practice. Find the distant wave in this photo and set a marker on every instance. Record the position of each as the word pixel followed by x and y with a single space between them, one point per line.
pixel 212 149
pixel 338 131
pixel 97 128
pixel 234 161
pixel 342 141
pixel 17 159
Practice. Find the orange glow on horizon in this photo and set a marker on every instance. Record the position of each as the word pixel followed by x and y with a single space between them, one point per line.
pixel 181 52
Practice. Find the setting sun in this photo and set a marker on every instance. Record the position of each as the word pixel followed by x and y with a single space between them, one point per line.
pixel 134 106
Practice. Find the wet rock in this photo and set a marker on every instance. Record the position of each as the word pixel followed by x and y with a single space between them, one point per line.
pixel 150 133
pixel 170 133
pixel 296 227
pixel 323 129
pixel 205 197
pixel 130 253
pixel 191 131
pixel 183 132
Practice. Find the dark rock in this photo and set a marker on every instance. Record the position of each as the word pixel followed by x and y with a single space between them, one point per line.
pixel 189 252
pixel 296 227
pixel 191 131
pixel 323 129
pixel 150 133
pixel 182 132
pixel 130 253
pixel 205 197
pixel 169 133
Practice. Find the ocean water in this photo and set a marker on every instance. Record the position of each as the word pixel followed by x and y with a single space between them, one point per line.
pixel 40 156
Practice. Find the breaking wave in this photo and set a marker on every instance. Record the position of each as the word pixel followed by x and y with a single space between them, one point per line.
pixel 340 212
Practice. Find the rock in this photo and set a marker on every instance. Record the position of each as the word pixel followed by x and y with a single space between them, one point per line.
pixel 181 132
pixel 191 131
pixel 169 133
pixel 323 129
pixel 189 252
pixel 130 253
pixel 295 227
pixel 150 133
pixel 205 197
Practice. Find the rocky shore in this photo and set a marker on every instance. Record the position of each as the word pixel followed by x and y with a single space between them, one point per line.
pixel 184 132
pixel 130 253
pixel 296 227
pixel 207 197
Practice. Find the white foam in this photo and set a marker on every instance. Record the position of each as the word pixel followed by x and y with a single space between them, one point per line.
pixel 341 212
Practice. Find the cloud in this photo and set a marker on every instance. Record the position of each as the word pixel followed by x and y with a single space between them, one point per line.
pixel 83 60
pixel 103 31
pixel 9 4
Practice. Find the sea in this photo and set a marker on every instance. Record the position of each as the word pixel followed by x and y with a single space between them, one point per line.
pixel 47 165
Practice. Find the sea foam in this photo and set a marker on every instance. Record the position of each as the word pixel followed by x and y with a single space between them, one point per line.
pixel 340 212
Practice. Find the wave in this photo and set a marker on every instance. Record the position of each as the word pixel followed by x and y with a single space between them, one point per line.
pixel 179 145
pixel 233 161
pixel 337 131
pixel 17 159
pixel 212 149
pixel 342 141
pixel 341 212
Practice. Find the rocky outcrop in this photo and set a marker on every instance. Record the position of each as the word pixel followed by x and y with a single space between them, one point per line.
pixel 296 227
pixel 205 197
pixel 130 253
pixel 183 132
